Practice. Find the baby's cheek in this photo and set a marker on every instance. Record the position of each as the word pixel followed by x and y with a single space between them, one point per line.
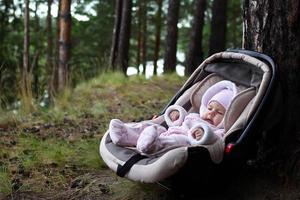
pixel 219 119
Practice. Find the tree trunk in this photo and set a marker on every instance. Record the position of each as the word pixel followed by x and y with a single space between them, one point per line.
pixel 64 44
pixel 157 35
pixel 272 27
pixel 217 38
pixel 25 80
pixel 35 62
pixel 49 58
pixel 54 75
pixel 195 54
pixel 171 38
pixel 139 36
pixel 144 36
pixel 125 28
pixel 116 34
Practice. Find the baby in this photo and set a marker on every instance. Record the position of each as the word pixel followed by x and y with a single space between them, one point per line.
pixel 205 127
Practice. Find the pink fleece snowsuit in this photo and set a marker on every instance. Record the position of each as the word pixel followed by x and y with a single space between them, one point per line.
pixel 149 137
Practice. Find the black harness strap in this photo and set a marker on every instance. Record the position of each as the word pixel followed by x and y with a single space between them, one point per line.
pixel 123 169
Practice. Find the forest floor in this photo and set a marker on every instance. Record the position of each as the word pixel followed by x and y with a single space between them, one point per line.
pixel 53 152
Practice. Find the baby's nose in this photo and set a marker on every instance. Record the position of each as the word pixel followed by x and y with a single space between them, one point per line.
pixel 211 114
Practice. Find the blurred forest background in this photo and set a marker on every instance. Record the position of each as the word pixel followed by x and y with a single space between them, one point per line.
pixel 46 46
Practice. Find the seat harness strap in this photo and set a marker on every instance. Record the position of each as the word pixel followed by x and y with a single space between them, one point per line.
pixel 123 169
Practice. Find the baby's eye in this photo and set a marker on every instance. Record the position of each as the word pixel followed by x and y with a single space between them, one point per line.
pixel 220 112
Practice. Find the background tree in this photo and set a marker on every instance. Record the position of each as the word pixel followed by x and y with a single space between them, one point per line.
pixel 157 35
pixel 195 53
pixel 171 38
pixel 49 50
pixel 116 33
pixel 234 24
pixel 144 35
pixel 64 43
pixel 273 28
pixel 3 32
pixel 91 39
pixel 37 48
pixel 217 38
pixel 54 78
pixel 139 35
pixel 11 51
pixel 26 72
pixel 92 25
pixel 125 28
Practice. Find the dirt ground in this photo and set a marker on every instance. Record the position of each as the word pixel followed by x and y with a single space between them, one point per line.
pixel 103 184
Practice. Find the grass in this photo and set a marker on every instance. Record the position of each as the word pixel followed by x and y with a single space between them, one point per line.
pixel 125 96
pixel 34 152
pixel 49 147
pixel 5 183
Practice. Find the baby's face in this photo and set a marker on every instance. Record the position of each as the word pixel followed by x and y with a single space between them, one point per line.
pixel 214 114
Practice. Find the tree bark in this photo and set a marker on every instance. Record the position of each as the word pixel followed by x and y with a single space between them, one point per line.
pixel 217 38
pixel 124 38
pixel 195 53
pixel 54 77
pixel 25 81
pixel 116 34
pixel 35 63
pixel 49 57
pixel 171 38
pixel 64 44
pixel 157 35
pixel 139 36
pixel 144 36
pixel 272 27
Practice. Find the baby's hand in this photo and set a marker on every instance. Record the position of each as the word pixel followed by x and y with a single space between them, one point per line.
pixel 198 133
pixel 174 115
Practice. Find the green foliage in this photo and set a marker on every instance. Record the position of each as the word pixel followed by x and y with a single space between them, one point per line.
pixel 90 42
pixel 234 24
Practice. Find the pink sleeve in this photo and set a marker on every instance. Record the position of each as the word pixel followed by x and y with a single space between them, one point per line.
pixel 219 132
pixel 190 120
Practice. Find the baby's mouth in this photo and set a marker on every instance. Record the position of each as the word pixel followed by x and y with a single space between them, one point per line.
pixel 209 121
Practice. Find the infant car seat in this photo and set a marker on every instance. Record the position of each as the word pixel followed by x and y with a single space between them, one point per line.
pixel 245 120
